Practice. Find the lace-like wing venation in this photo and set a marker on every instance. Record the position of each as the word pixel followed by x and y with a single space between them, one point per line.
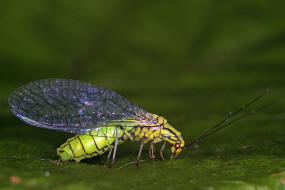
pixel 70 105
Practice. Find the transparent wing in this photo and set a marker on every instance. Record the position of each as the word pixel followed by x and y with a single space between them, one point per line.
pixel 72 106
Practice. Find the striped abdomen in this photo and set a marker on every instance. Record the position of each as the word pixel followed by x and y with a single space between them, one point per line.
pixel 96 142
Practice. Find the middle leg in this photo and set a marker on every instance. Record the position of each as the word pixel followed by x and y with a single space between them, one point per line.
pixel 161 151
pixel 140 151
pixel 151 151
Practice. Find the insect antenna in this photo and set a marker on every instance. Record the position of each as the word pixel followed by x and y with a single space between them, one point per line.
pixel 226 122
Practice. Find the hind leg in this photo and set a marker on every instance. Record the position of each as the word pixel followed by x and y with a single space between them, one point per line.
pixel 108 157
pixel 115 148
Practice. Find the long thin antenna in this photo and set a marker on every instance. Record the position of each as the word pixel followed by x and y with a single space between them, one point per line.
pixel 220 125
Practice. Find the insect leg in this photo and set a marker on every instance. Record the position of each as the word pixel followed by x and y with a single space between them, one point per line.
pixel 139 154
pixel 108 157
pixel 151 151
pixel 115 148
pixel 161 150
pixel 57 162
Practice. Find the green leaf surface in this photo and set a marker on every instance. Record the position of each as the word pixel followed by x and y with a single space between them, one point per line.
pixel 192 62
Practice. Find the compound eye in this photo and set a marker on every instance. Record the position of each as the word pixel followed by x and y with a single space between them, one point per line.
pixel 177 145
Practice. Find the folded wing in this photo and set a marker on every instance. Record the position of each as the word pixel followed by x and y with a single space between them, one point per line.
pixel 71 106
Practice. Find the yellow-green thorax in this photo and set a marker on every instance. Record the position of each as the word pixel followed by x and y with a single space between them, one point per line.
pixel 162 131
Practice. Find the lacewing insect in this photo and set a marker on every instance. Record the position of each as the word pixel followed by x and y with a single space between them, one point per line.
pixel 100 118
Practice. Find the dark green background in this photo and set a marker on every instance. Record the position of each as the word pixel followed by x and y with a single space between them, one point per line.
pixel 190 61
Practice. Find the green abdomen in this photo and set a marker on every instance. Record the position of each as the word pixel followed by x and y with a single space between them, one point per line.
pixel 96 142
